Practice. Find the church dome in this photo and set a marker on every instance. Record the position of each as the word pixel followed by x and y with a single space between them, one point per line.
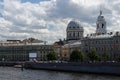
pixel 74 30
pixel 74 24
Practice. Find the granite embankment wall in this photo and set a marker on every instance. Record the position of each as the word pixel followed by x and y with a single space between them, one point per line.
pixel 10 64
pixel 100 68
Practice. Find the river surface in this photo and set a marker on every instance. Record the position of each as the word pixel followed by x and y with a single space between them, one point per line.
pixel 9 73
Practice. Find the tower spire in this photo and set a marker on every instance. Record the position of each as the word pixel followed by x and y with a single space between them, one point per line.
pixel 100 11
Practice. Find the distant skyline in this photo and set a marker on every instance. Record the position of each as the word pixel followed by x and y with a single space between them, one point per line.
pixel 47 19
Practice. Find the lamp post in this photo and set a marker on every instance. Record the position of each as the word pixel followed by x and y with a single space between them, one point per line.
pixel 60 53
pixel 3 59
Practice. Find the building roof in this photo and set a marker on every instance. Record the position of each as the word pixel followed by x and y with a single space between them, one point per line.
pixel 74 24
pixel 100 17
pixel 73 44
pixel 59 43
pixel 94 36
pixel 33 40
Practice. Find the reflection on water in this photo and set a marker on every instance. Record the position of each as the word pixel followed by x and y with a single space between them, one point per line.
pixel 8 73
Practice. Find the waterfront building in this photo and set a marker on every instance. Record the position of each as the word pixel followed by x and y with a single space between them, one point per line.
pixel 17 50
pixel 68 48
pixel 102 44
pixel 58 48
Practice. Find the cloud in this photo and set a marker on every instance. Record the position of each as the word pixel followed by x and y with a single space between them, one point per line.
pixel 48 19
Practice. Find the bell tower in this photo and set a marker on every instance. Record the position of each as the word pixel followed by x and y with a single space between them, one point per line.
pixel 101 24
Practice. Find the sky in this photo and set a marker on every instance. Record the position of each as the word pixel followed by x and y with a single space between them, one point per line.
pixel 48 19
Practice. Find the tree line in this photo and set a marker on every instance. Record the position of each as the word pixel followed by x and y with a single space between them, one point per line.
pixel 92 56
pixel 78 56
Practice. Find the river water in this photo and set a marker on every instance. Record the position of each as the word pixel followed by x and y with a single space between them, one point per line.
pixel 9 73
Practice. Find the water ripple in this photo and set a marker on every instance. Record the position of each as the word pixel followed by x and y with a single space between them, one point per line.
pixel 9 73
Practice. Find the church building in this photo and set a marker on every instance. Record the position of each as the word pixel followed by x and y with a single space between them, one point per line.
pixel 102 41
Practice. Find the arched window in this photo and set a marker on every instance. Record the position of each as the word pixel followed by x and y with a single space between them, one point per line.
pixel 102 25
pixel 73 34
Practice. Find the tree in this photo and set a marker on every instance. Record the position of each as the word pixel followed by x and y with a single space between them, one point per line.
pixel 93 55
pixel 52 56
pixel 105 56
pixel 44 58
pixel 118 58
pixel 76 56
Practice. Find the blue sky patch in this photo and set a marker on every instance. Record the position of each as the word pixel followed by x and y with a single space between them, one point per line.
pixel 33 1
pixel 1 0
pixel 51 28
pixel 1 15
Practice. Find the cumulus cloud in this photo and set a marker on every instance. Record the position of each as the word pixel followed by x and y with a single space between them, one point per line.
pixel 48 19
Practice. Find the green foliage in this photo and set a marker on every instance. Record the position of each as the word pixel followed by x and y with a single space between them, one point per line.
pixel 52 56
pixel 76 56
pixel 105 56
pixel 44 58
pixel 93 55
pixel 117 58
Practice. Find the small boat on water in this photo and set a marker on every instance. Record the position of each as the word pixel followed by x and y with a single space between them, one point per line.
pixel 17 66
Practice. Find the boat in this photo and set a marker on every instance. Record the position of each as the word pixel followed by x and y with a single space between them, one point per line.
pixel 17 66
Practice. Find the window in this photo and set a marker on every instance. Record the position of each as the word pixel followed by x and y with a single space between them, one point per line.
pixel 78 34
pixel 65 55
pixel 85 44
pixel 69 34
pixel 86 51
pixel 96 42
pixel 96 49
pixel 102 25
pixel 97 26
pixel 73 34
pixel 116 41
